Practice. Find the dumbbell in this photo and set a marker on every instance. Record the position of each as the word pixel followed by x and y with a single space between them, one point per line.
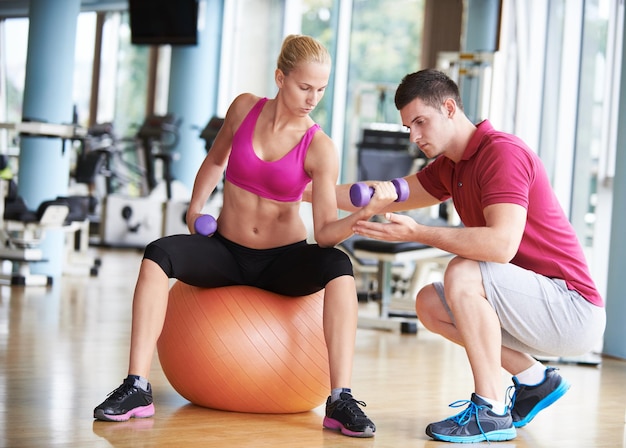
pixel 205 225
pixel 361 193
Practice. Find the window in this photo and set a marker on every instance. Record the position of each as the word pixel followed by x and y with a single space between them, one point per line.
pixel 83 63
pixel 380 55
pixel 569 65
pixel 596 132
pixel 593 100
pixel 129 65
pixel 13 67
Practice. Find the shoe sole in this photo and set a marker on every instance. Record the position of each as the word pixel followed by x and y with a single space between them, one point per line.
pixel 331 423
pixel 544 403
pixel 140 412
pixel 501 435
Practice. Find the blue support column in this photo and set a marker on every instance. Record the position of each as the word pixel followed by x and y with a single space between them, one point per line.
pixel 193 88
pixel 615 335
pixel 44 162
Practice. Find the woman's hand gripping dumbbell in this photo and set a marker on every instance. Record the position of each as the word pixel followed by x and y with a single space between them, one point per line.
pixel 205 225
pixel 361 193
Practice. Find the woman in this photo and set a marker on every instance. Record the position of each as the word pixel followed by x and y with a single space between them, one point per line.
pixel 270 150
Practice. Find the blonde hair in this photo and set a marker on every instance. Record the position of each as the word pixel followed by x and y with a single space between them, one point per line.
pixel 298 49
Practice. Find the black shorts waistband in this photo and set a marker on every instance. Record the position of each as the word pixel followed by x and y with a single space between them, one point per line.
pixel 269 251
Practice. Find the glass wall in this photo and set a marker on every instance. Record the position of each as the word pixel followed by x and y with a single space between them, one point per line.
pixel 83 63
pixel 556 92
pixel 123 74
pixel 14 67
pixel 319 18
pixel 596 131
pixel 131 79
pixel 12 78
pixel 593 102
pixel 556 76
pixel 576 131
pixel 379 57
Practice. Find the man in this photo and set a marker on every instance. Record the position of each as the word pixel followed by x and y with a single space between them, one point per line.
pixel 518 285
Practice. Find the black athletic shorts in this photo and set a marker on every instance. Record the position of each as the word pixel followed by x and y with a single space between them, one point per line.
pixel 294 270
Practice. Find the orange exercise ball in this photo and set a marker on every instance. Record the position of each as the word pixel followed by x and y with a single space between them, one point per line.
pixel 244 349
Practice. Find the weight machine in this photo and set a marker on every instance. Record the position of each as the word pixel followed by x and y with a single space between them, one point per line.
pixel 22 230
pixel 390 273
pixel 133 182
pixel 473 73
pixel 21 236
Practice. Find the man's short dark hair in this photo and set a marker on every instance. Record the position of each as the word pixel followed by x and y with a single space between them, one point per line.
pixel 431 86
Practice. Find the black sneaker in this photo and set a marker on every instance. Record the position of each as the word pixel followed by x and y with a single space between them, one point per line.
pixel 527 401
pixel 477 423
pixel 346 416
pixel 125 402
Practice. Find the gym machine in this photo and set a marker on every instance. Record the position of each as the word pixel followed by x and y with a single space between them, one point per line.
pixel 160 208
pixel 473 72
pixel 22 230
pixel 389 273
pixel 21 236
pixel 140 193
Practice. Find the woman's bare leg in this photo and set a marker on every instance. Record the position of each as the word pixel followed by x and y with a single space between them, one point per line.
pixel 340 322
pixel 149 308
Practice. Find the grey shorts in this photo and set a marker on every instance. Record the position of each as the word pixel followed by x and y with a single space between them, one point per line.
pixel 538 315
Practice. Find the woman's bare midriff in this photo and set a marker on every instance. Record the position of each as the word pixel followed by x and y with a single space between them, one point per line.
pixel 259 223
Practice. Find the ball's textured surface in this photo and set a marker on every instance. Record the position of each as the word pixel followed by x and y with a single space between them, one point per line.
pixel 244 349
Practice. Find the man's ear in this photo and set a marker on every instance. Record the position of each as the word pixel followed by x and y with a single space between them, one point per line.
pixel 449 106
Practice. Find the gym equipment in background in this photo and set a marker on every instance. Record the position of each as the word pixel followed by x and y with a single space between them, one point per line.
pixel 135 218
pixel 21 235
pixel 138 198
pixel 209 133
pixel 389 272
pixel 22 229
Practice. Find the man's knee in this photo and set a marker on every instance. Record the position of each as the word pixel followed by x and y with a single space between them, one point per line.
pixel 463 276
pixel 426 302
pixel 459 267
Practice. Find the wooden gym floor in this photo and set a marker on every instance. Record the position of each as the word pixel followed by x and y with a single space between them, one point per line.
pixel 64 348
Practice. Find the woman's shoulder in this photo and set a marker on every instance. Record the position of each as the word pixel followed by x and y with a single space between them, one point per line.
pixel 320 137
pixel 244 102
pixel 239 108
pixel 321 149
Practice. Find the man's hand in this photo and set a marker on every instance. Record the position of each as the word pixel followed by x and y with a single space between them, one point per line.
pixel 398 228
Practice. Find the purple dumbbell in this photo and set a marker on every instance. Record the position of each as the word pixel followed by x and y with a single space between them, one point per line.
pixel 361 193
pixel 205 225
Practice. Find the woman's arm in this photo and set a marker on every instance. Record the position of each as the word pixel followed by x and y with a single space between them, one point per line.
pixel 213 165
pixel 322 166
pixel 418 196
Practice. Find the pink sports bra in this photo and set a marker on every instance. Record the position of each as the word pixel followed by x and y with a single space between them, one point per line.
pixel 282 180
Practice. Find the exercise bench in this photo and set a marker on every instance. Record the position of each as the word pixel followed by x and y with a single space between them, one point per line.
pixel 387 254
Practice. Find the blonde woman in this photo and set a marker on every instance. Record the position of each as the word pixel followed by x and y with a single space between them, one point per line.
pixel 270 149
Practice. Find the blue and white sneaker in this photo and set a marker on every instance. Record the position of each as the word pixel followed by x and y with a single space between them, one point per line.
pixel 477 423
pixel 527 401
